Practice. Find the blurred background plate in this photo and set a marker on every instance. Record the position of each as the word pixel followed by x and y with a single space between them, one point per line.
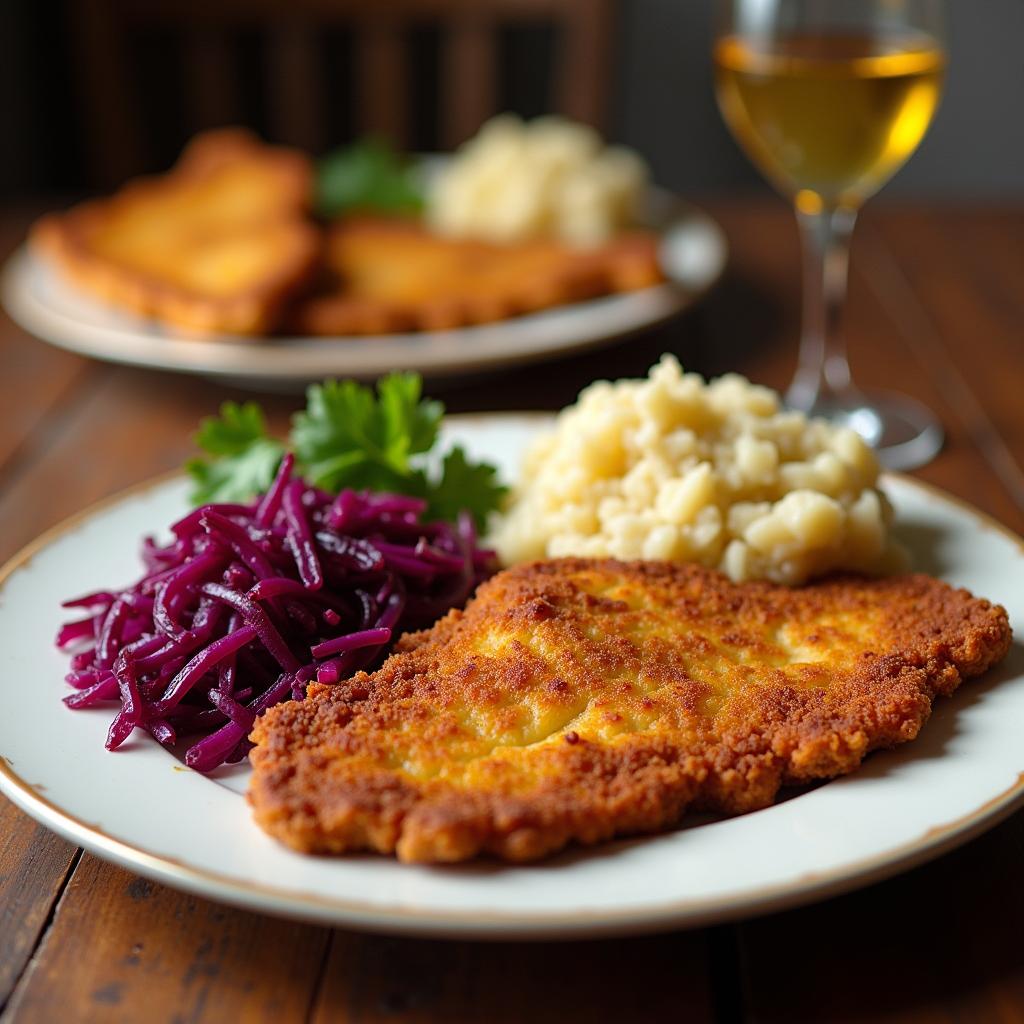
pixel 693 254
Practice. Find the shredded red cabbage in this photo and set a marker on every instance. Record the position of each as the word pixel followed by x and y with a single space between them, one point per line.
pixel 249 603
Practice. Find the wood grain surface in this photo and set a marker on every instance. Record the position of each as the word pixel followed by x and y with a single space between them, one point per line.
pixel 936 310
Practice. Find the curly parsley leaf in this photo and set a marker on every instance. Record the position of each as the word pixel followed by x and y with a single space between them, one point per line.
pixel 347 436
pixel 464 485
pixel 368 175
pixel 245 457
pixel 410 421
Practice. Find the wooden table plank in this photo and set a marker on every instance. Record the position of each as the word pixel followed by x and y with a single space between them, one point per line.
pixel 34 379
pixel 125 949
pixel 940 944
pixel 374 980
pixel 33 866
pixel 969 343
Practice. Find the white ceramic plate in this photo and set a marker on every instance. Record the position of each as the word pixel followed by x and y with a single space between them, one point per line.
pixel 693 253
pixel 141 808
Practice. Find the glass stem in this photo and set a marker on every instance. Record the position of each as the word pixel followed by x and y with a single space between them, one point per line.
pixel 823 373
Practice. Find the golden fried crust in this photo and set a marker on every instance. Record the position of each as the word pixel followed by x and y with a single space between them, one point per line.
pixel 390 275
pixel 578 699
pixel 216 245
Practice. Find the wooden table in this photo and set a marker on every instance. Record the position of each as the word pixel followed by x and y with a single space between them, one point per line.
pixel 937 310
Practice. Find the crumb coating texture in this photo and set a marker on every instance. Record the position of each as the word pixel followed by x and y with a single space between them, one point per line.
pixel 574 700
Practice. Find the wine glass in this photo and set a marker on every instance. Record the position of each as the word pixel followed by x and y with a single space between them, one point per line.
pixel 829 98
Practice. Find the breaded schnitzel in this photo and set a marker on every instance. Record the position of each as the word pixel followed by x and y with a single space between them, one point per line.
pixel 576 699
pixel 215 245
pixel 393 275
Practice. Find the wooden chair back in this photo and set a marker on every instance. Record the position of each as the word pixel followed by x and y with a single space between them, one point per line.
pixel 293 73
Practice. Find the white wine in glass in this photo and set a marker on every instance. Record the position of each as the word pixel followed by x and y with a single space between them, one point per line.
pixel 829 98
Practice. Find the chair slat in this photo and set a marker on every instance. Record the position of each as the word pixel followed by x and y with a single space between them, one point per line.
pixel 114 139
pixel 584 71
pixel 382 87
pixel 296 86
pixel 211 78
pixel 469 87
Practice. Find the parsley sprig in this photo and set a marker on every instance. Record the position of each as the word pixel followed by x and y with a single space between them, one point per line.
pixel 347 436
pixel 367 176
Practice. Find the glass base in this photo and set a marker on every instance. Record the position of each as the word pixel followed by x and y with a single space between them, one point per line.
pixel 903 432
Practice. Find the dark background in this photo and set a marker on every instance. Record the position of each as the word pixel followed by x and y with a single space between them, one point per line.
pixel 660 96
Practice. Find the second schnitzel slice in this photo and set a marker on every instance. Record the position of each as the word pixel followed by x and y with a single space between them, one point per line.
pixel 576 699
pixel 396 275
